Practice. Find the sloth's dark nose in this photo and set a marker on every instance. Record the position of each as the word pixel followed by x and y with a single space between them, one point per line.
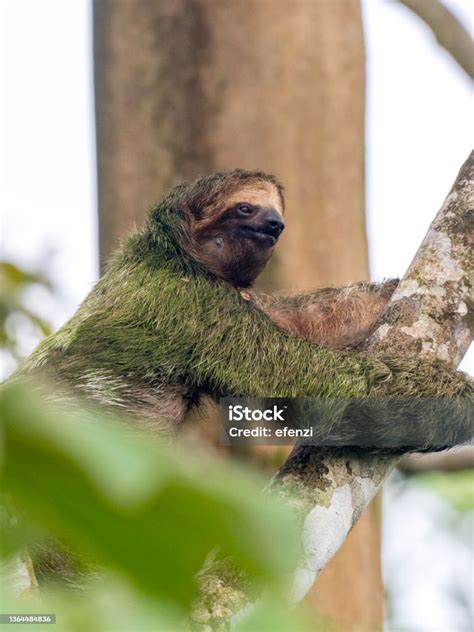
pixel 273 223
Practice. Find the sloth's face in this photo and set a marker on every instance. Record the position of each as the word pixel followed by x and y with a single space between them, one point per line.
pixel 262 225
pixel 237 244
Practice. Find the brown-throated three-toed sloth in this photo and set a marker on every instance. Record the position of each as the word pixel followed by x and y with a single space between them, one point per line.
pixel 167 324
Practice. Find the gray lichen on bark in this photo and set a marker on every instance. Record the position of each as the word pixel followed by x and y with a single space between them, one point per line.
pixel 431 312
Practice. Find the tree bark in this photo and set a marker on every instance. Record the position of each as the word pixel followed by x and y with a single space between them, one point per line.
pixel 329 491
pixel 187 87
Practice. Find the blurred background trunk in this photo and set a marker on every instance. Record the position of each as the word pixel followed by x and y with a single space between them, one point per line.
pixel 187 87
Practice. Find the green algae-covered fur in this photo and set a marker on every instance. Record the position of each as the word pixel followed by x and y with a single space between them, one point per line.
pixel 168 322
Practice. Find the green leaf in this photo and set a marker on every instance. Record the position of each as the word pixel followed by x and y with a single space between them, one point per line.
pixel 108 605
pixel 149 513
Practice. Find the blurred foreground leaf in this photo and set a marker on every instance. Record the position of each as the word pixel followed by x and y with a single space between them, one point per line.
pixel 150 514
pixel 115 607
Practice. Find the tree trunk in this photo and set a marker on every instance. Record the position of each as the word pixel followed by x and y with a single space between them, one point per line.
pixel 187 87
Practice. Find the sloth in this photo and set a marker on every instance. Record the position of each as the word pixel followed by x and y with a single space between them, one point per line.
pixel 174 319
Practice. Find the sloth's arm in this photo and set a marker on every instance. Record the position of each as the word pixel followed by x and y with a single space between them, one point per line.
pixel 338 318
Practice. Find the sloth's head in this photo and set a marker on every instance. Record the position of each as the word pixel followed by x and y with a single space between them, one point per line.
pixel 233 222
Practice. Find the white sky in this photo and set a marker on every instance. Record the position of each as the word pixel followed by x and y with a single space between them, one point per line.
pixel 419 133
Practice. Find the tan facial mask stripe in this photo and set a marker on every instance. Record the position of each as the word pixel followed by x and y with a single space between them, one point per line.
pixel 261 194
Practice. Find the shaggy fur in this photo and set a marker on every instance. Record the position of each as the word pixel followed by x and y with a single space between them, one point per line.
pixel 165 326
pixel 335 318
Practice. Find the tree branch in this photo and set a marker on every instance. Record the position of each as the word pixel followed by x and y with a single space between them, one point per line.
pixel 430 314
pixel 447 29
pixel 461 458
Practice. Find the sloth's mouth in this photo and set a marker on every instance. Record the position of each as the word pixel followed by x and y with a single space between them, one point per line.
pixel 260 233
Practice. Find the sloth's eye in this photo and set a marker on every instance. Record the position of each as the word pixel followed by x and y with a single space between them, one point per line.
pixel 245 209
